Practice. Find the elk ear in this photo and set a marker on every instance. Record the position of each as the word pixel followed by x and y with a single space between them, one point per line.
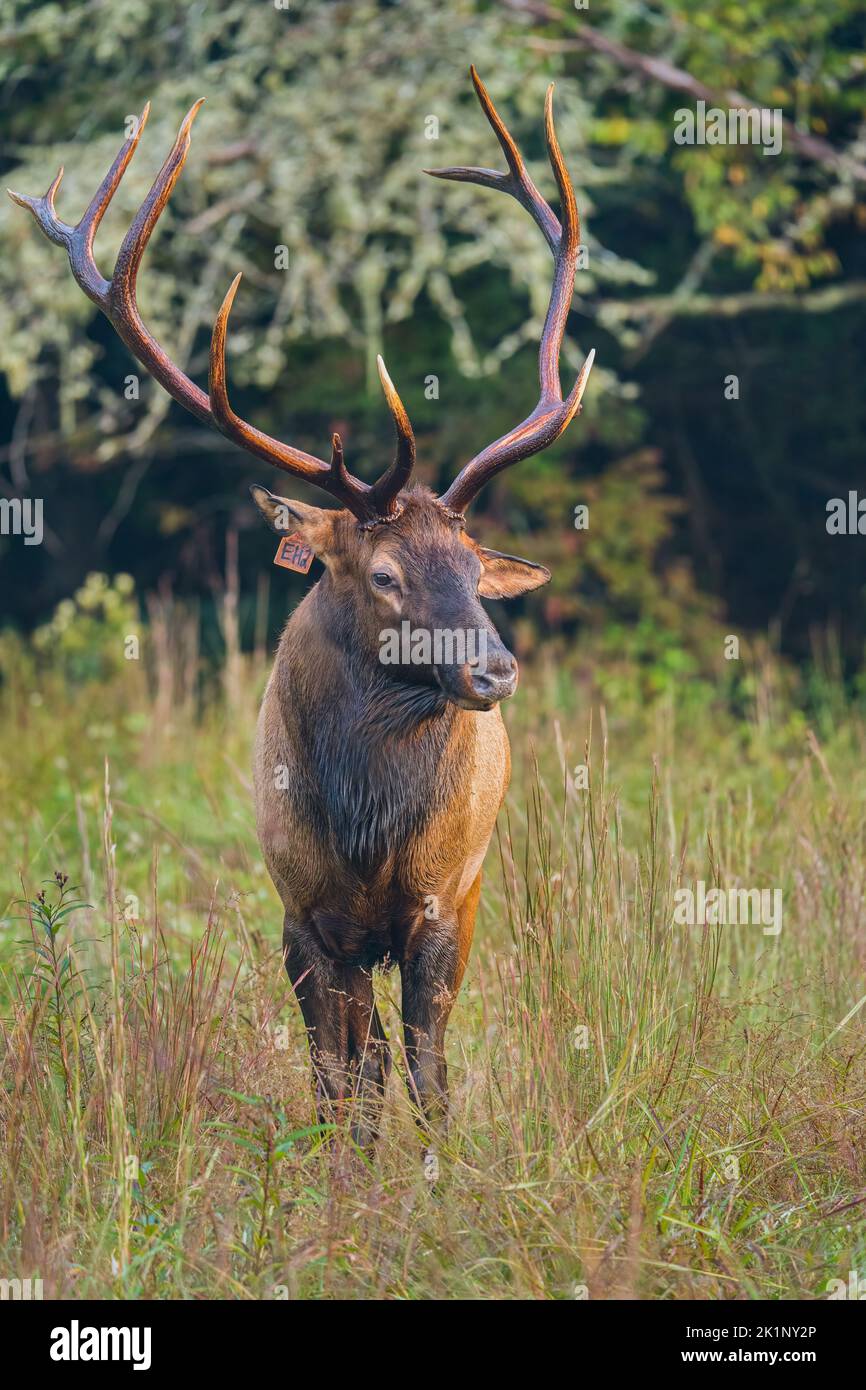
pixel 506 576
pixel 315 524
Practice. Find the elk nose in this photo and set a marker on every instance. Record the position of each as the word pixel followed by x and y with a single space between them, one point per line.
pixel 496 680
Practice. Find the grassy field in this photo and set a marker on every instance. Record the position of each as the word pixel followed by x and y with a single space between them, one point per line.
pixel 640 1109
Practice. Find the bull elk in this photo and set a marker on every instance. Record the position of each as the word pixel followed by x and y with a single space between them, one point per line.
pixel 377 786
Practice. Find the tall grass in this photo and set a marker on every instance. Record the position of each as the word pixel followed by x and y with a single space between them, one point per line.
pixel 639 1109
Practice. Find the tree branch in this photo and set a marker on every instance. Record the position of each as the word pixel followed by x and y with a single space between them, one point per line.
pixel 659 70
pixel 823 301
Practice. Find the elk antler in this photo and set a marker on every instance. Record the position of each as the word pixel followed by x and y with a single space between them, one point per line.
pixel 552 414
pixel 116 299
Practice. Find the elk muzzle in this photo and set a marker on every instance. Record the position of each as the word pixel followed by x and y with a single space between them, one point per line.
pixel 485 678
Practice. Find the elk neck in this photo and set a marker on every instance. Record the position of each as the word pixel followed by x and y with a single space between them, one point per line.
pixel 382 757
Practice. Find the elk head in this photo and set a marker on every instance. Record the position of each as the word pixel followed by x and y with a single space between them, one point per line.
pixel 394 554
pixel 409 593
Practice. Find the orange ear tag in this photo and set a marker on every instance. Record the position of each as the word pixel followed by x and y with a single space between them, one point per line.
pixel 294 554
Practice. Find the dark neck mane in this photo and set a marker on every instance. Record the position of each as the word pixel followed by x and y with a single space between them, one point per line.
pixel 381 756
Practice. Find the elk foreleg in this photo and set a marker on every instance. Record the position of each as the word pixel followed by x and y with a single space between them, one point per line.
pixel 369 1059
pixel 320 988
pixel 348 1045
pixel 430 974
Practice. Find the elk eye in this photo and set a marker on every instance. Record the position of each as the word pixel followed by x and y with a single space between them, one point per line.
pixel 382 580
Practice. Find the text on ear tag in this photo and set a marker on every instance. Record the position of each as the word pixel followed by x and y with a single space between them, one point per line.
pixel 293 553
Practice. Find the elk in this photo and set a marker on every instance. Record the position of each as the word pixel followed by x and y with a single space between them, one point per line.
pixel 376 785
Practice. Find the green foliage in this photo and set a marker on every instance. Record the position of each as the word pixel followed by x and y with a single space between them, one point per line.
pixel 771 217
pixel 87 637
pixel 54 985
pixel 619 595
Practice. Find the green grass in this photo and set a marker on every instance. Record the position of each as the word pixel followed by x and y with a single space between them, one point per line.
pixel 639 1109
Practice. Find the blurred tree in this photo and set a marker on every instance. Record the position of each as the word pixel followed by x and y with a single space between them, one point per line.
pixel 309 153
pixel 319 122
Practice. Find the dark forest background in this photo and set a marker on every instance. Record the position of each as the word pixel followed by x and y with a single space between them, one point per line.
pixel 703 262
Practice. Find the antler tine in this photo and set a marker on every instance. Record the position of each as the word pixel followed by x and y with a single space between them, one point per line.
pixel 116 297
pixel 398 474
pixel 565 260
pixel 342 477
pixel 551 415
pixel 78 240
pixel 517 181
pixel 333 477
pixel 117 300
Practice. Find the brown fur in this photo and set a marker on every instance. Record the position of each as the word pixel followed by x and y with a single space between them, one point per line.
pixel 376 796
